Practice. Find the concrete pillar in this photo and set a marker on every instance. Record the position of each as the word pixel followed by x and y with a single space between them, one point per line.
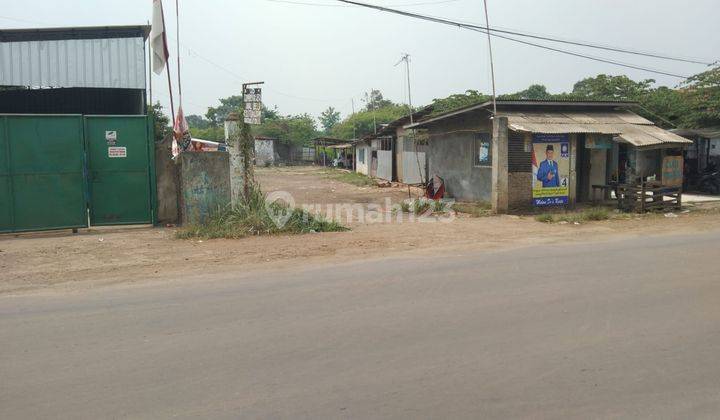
pixel 499 196
pixel 232 131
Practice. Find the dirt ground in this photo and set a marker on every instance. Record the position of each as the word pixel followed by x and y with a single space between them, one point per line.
pixel 96 257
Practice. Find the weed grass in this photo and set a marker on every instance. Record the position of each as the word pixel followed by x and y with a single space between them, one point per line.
pixel 591 214
pixel 254 217
pixel 348 177
pixel 476 209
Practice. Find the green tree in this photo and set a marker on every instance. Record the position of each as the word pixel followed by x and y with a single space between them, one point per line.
pixel 363 123
pixel 161 122
pixel 608 87
pixel 298 129
pixel 329 119
pixel 702 95
pixel 197 121
pixel 534 92
pixel 374 100
pixel 459 100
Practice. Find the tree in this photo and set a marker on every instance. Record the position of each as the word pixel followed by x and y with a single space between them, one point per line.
pixel 298 129
pixel 608 87
pixel 534 92
pixel 197 121
pixel 329 119
pixel 459 100
pixel 702 95
pixel 363 123
pixel 161 122
pixel 374 100
pixel 217 115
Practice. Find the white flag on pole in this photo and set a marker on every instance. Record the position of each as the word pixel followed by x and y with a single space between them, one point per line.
pixel 158 39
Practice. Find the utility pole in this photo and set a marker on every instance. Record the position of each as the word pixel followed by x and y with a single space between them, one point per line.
pixel 352 101
pixel 406 58
pixel 492 64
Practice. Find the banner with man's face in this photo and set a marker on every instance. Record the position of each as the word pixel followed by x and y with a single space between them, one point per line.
pixel 551 169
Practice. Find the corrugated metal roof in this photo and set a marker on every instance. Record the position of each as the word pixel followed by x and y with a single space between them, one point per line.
pixel 708 133
pixel 650 135
pixel 524 104
pixel 625 125
pixel 71 63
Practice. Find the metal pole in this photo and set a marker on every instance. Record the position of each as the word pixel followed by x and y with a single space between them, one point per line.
pixel 492 64
pixel 150 72
pixel 167 67
pixel 177 23
pixel 407 67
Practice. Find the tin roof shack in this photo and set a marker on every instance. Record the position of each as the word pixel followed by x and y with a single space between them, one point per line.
pixel 543 153
pixel 88 71
pixel 324 153
pixel 374 156
pixel 409 158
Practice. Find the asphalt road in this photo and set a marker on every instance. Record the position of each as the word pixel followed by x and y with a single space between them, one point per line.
pixel 621 329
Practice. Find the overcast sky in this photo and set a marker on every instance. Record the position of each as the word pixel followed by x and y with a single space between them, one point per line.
pixel 312 57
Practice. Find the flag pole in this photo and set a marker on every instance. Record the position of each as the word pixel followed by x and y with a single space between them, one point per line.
pixel 167 65
pixel 177 25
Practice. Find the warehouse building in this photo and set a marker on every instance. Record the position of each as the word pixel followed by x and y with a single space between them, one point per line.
pixel 74 132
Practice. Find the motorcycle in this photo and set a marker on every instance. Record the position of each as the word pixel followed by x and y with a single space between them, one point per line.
pixel 710 180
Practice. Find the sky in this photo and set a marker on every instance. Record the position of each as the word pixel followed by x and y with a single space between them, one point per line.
pixel 320 53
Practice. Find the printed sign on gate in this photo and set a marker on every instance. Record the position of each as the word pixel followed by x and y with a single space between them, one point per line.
pixel 117 152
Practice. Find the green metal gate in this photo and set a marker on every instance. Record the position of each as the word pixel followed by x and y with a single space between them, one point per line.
pixel 42 184
pixel 55 170
pixel 119 163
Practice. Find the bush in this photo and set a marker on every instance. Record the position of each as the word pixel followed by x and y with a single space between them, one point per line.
pixel 251 217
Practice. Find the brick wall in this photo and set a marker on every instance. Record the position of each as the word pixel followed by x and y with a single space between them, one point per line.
pixel 520 190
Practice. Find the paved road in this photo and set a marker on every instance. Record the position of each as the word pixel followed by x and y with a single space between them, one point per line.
pixel 620 329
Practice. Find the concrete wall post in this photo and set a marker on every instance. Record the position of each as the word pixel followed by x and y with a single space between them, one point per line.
pixel 232 139
pixel 499 195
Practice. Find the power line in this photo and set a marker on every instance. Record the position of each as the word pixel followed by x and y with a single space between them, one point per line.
pixel 303 3
pixel 526 34
pixel 485 31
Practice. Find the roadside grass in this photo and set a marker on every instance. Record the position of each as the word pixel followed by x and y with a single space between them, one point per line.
pixel 349 177
pixel 423 205
pixel 587 215
pixel 253 218
pixel 475 209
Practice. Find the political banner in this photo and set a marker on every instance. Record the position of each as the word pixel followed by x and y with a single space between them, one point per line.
pixel 551 169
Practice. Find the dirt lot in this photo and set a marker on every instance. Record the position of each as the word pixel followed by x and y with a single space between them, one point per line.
pixel 104 256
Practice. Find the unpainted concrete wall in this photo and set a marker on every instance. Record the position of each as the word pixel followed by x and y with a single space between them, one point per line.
pixel 166 176
pixel 451 156
pixel 205 185
pixel 264 152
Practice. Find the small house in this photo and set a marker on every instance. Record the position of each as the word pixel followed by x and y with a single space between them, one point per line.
pixel 547 153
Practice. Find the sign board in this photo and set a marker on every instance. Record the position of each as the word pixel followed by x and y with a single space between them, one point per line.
pixel 111 138
pixel 672 171
pixel 117 152
pixel 253 105
pixel 551 169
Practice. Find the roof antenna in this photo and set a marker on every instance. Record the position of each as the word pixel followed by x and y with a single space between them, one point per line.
pixel 492 65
